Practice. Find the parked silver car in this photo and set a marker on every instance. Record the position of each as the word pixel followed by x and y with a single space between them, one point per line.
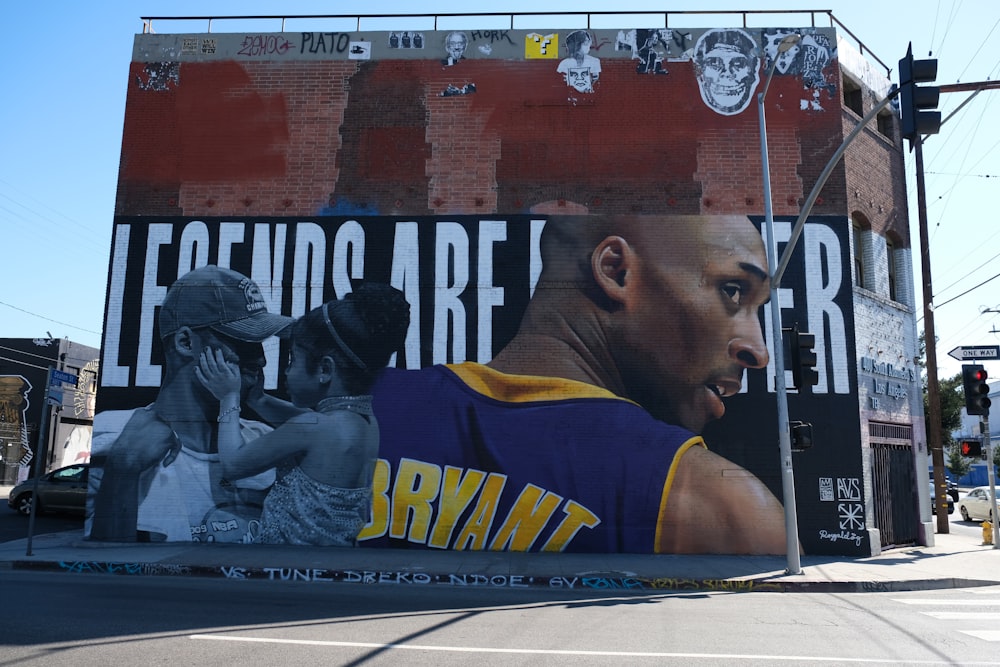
pixel 976 505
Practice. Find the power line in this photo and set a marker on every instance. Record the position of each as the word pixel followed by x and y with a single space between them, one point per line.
pixel 66 324
pixel 945 289
pixel 938 305
pixel 24 363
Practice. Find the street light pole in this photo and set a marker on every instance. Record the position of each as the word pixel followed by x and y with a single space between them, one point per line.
pixel 793 564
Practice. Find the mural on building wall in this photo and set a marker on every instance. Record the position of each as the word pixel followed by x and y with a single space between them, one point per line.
pixel 535 402
pixel 495 424
pixel 15 449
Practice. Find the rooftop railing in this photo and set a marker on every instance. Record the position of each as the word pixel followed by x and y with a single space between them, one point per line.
pixel 501 21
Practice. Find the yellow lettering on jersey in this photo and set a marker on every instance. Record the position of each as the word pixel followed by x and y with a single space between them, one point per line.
pixel 577 516
pixel 416 487
pixel 475 531
pixel 457 492
pixel 380 503
pixel 526 519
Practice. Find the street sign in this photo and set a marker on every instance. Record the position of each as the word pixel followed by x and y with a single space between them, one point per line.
pixel 62 376
pixel 55 397
pixel 968 352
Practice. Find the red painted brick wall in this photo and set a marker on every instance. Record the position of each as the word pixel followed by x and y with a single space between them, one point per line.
pixel 307 138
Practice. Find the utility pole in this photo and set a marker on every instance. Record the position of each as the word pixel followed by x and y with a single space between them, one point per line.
pixel 933 389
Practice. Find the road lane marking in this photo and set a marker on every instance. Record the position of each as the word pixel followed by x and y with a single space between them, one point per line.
pixel 953 603
pixel 617 654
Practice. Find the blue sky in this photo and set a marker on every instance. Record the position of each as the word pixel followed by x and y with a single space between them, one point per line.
pixel 64 77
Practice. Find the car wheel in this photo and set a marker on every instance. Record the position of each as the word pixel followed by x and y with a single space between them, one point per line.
pixel 965 513
pixel 23 504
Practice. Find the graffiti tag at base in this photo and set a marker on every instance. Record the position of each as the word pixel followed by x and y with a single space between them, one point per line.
pixel 397 578
pixel 93 567
pixel 724 585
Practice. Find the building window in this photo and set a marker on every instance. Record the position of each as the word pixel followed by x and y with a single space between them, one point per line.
pixel 885 124
pixel 859 254
pixel 852 96
pixel 890 260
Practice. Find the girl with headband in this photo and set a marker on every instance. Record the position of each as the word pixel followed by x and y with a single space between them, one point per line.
pixel 327 442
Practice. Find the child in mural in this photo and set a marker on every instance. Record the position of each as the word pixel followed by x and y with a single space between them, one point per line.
pixel 328 440
pixel 580 70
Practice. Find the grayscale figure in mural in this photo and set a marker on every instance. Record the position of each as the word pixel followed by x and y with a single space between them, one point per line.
pixel 786 62
pixel 727 65
pixel 326 440
pixel 156 473
pixel 638 328
pixel 652 51
pixel 580 70
pixel 455 44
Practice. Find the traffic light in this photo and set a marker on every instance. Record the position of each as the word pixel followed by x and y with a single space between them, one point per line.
pixel 804 373
pixel 976 388
pixel 971 448
pixel 802 436
pixel 915 100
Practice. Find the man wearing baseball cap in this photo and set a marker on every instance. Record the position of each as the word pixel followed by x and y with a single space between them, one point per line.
pixel 156 473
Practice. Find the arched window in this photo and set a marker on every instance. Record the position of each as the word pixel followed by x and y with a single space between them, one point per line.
pixel 890 260
pixel 859 232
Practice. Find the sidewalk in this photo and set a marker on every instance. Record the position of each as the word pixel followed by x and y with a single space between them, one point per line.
pixel 956 561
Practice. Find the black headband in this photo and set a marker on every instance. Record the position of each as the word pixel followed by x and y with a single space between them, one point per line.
pixel 340 341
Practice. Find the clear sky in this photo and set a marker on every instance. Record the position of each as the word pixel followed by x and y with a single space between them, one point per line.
pixel 64 74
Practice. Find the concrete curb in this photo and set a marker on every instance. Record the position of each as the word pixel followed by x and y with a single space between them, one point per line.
pixel 590 581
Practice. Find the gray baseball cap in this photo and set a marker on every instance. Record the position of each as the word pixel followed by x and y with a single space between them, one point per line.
pixel 223 300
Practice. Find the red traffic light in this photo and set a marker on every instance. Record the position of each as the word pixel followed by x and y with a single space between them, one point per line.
pixel 971 448
pixel 976 389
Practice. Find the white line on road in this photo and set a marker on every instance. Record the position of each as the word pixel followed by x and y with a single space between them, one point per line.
pixel 988 635
pixel 963 615
pixel 953 603
pixel 616 654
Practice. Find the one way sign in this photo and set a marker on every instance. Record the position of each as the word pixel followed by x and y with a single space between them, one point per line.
pixel 975 352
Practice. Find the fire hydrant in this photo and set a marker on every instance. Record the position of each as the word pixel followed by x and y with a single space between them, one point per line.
pixel 987 532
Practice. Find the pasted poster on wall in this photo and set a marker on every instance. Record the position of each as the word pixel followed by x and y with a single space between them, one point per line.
pixel 562 383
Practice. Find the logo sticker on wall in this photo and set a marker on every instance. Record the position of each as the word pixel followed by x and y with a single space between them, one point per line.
pixel 360 51
pixel 541 46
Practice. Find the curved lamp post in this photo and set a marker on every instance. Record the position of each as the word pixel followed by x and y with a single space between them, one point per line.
pixel 793 564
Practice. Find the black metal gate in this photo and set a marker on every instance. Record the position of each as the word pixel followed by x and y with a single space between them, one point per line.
pixel 894 485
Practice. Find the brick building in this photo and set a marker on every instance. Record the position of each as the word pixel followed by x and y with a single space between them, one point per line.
pixel 61 430
pixel 309 159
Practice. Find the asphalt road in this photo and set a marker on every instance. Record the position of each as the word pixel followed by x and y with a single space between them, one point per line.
pixel 69 619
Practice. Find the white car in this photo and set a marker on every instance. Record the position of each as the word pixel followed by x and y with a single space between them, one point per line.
pixel 976 505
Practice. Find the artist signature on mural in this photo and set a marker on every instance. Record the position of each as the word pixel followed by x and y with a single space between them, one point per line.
pixel 847 536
